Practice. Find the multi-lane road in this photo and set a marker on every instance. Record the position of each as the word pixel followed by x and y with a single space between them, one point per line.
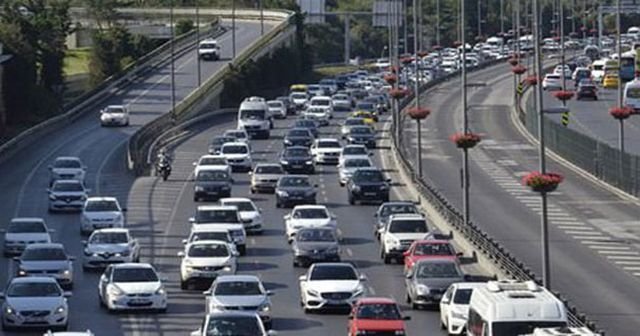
pixel 103 150
pixel 595 251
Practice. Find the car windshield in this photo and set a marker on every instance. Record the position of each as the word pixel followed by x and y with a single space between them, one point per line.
pixel 208 46
pixel 333 272
pixel 340 97
pixel 238 288
pixel 463 296
pixel 312 109
pixel 633 93
pixel 361 130
pixel 252 114
pixel 213 161
pixel 208 250
pixel 598 67
pixel 43 253
pixel 315 236
pixel 65 163
pixel 299 133
pixel 298 96
pixel 275 104
pixel 354 151
pixel 310 213
pixel 34 289
pixel 369 176
pixel 293 152
pixel 68 187
pixel 328 144
pixel 109 238
pixel 305 123
pixel 217 216
pixel 521 327
pixel 433 249
pixel 114 109
pixel 269 170
pixel 212 175
pixel 408 226
pixel 233 326
pixel 242 205
pixel 321 102
pixel 365 106
pixel 397 209
pixel 437 270
pixel 26 227
pixel 235 149
pixel 102 205
pixel 294 182
pixel 553 77
pixel 378 311
pixel 131 274
pixel 237 134
pixel 211 235
pixel 221 140
pixel 352 163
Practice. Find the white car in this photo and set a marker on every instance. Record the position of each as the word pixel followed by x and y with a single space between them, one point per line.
pixel 353 152
pixel 567 71
pixel 322 102
pixel 350 165
pixel 225 217
pixel 250 214
pixel 308 216
pixel 319 114
pixel 239 292
pixel 50 260
pixel 67 168
pixel 101 213
pixel 114 115
pixel 34 302
pixel 209 50
pixel 110 246
pixel 132 287
pixel 239 134
pixel 211 161
pixel 299 100
pixel 552 82
pixel 399 233
pixel 211 232
pixel 204 260
pixel 454 306
pixel 326 151
pixel 67 195
pixel 382 64
pixel 331 285
pixel 238 155
pixel 24 231
pixel 341 101
pixel 277 109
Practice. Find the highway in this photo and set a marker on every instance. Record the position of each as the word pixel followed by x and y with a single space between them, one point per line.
pixel 595 251
pixel 103 150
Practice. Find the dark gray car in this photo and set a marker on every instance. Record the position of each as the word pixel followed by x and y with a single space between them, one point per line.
pixel 298 137
pixel 297 159
pixel 212 183
pixel 429 279
pixel 314 245
pixel 295 189
pixel 361 135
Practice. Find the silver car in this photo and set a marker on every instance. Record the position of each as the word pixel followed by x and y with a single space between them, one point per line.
pixel 67 168
pixel 24 231
pixel 351 122
pixel 428 279
pixel 349 166
pixel 110 246
pixel 34 302
pixel 67 195
pixel 239 292
pixel 49 260
pixel 264 177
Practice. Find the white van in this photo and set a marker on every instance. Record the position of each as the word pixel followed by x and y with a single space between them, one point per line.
pixel 510 307
pixel 255 118
pixel 631 95
pixel 597 70
pixel 582 331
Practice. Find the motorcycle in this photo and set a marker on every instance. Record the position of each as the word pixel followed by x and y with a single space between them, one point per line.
pixel 163 168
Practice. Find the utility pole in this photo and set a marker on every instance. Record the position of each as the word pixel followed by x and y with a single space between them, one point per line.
pixel 479 18
pixel 261 17
pixel 405 28
pixel 465 122
pixel 173 77
pixel 347 38
pixel 420 15
pixel 562 50
pixel 502 16
pixel 198 41
pixel 417 84
pixel 438 22
pixel 233 27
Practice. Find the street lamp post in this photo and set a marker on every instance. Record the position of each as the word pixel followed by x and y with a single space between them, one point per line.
pixel 417 84
pixel 233 27
pixel 465 123
pixel 198 41
pixel 620 102
pixel 479 18
pixel 173 77
pixel 562 50
pixel 438 22
pixel 502 16
pixel 261 17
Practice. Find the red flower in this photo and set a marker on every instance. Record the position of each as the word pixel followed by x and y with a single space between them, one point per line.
pixel 437 47
pixel 465 140
pixel 391 78
pixel 544 183
pixel 513 60
pixel 423 53
pixel 418 113
pixel 620 113
pixel 456 44
pixel 583 28
pixel 393 69
pixel 563 95
pixel 532 80
pixel 406 60
pixel 518 69
pixel 397 93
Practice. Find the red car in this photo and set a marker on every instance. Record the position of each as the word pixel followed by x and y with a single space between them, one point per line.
pixel 429 248
pixel 373 315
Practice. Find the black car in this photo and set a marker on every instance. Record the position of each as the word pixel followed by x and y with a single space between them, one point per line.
pixel 291 109
pixel 216 143
pixel 308 124
pixel 368 184
pixel 212 184
pixel 315 244
pixel 361 135
pixel 587 90
pixel 297 159
pixel 295 189
pixel 298 137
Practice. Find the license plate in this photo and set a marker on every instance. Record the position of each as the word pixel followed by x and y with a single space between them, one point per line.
pixel 297 167
pixel 36 319
pixel 437 297
pixel 139 301
pixel 369 194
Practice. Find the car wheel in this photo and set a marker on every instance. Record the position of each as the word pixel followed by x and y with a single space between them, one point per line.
pixel 442 325
pixel 6 327
pixel 278 205
pixel 242 250
pixel 184 285
pixel 386 258
pixel 351 200
pixel 196 199
pixel 253 191
pixel 407 298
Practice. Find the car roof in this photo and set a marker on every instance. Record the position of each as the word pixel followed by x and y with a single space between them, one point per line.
pixel 102 198
pixel 267 165
pixel 438 260
pixel 296 147
pixel 236 143
pixel 333 264
pixel 208 41
pixel 295 176
pixel 469 284
pixel 132 265
pixel 370 169
pixel 235 199
pixel 220 168
pixel 44 245
pixel 237 277
pixel 26 219
pixel 372 300
pixel 210 228
pixel 67 158
pixel 233 313
pixel 215 207
pixel 208 242
pixel 310 206
pixel 406 216
pixel 432 241
pixel 327 139
pixel 112 230
pixel 34 279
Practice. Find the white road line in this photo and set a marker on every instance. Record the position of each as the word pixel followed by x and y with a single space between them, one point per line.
pixel 627 262
pixel 631 268
pixel 572 227
pixel 603 241
pixel 608 247
pixel 621 253
pixel 620 257
pixel 582 234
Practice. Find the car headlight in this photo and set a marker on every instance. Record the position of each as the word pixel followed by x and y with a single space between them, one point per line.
pixel 60 310
pixel 66 272
pixel 356 189
pixel 422 289
pixel 310 193
pixel 287 141
pixel 52 197
pixel 227 268
pixel 312 292
pixel 124 253
pixel 8 310
pixel 199 188
pixel 283 193
pixel 215 307
pixel 358 292
pixel 114 291
pixel 399 332
pixel 22 272
pixel 384 187
pixel 458 315
pixel 266 307
pixel 391 241
pixel 160 291
pixel 333 250
pixel 88 253
pixel 284 162
pixel 309 162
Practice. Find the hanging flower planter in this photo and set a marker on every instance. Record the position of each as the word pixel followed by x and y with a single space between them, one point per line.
pixel 422 53
pixel 542 183
pixel 465 140
pixel 397 93
pixel 563 95
pixel 390 79
pixel 620 113
pixel 456 44
pixel 513 61
pixel 583 29
pixel 518 69
pixel 406 60
pixel 418 113
pixel 437 47
pixel 393 69
pixel 532 80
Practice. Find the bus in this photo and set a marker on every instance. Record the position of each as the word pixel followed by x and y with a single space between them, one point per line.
pixel 510 307
pixel 631 95
pixel 627 66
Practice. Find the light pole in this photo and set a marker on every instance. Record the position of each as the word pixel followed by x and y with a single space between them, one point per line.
pixel 562 50
pixel 420 15
pixel 233 27
pixel 465 123
pixel 438 22
pixel 479 18
pixel 502 16
pixel 173 77
pixel 417 85
pixel 198 41
pixel 261 17
pixel 621 123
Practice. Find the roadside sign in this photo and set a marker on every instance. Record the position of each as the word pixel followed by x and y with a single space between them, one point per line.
pixel 314 10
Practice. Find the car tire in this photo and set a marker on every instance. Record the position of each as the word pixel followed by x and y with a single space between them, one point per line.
pixel 253 191
pixel 351 200
pixel 6 327
pixel 242 250
pixel 407 298
pixel 278 204
pixel 443 326
pixel 386 258
pixel 184 285
pixel 196 199
pixel 268 325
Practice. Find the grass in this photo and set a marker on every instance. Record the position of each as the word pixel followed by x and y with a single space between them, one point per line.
pixel 76 62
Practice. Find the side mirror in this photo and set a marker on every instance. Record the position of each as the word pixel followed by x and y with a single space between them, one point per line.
pixel 235 253
pixel 50 167
pixel 195 163
pixel 48 190
pixel 249 173
pixel 196 333
pixel 68 294
pixel 459 254
pixel 123 209
pixel 16 259
pixel 49 230
pixel 315 185
pixel 181 254
pixel 84 242
pixel 350 317
pixel 184 241
pixel 375 215
pixel 363 277
pixel 388 180
pixel 405 253
pixel 286 217
pixel 302 278
pixel 370 154
pixel 2 296
pixel 406 318
pixel 270 293
pixel 192 220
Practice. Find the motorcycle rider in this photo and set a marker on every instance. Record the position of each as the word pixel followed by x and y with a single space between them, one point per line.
pixel 164 162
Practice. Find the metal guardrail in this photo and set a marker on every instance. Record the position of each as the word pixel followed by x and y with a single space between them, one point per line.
pixel 141 145
pixel 90 100
pixel 482 241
